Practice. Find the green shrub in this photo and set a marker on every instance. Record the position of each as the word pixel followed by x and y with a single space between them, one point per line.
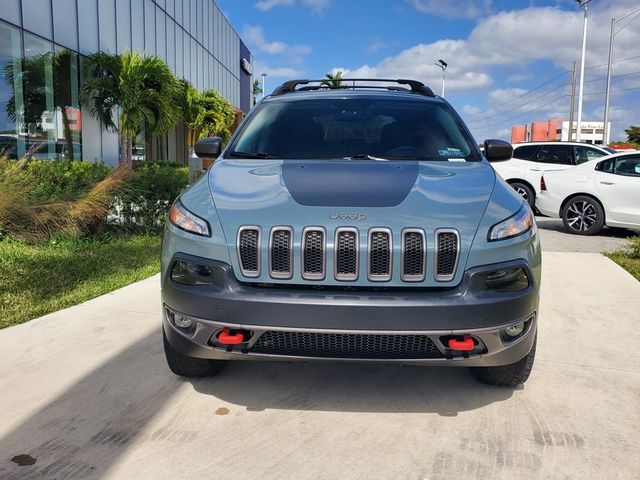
pixel 150 193
pixel 53 179
pixel 634 248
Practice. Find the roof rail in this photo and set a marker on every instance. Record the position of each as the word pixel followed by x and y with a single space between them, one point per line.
pixel 349 83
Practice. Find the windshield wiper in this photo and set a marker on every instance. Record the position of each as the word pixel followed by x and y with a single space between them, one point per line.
pixel 237 154
pixel 364 156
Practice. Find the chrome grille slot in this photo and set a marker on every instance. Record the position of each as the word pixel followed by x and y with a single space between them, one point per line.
pixel 248 242
pixel 447 253
pixel 281 252
pixel 346 254
pixel 379 256
pixel 313 253
pixel 414 256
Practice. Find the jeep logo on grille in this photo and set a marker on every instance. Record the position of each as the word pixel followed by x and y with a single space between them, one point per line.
pixel 347 216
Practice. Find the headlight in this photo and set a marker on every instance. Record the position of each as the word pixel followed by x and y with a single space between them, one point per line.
pixel 187 221
pixel 517 224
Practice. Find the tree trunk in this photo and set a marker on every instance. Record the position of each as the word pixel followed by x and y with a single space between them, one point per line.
pixel 130 151
pixel 67 134
pixel 123 149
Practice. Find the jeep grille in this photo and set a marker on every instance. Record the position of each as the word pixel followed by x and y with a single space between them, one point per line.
pixel 413 255
pixel 380 254
pixel 249 251
pixel 346 254
pixel 313 253
pixel 280 253
pixel 447 250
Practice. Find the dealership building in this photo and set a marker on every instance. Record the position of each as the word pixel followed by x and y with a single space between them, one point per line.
pixel 557 129
pixel 42 47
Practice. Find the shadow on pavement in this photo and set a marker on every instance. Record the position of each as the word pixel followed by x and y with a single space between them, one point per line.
pixel 350 388
pixel 83 431
pixel 556 225
pixel 87 428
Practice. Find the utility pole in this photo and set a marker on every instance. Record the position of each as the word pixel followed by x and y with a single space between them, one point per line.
pixel 573 101
pixel 264 76
pixel 606 133
pixel 443 66
pixel 584 4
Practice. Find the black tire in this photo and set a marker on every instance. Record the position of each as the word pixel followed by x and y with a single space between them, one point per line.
pixel 507 375
pixel 583 215
pixel 526 192
pixel 185 366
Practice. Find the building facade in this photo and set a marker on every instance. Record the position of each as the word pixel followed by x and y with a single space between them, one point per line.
pixel 42 46
pixel 556 129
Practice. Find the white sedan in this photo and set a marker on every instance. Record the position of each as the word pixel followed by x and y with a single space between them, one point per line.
pixel 594 194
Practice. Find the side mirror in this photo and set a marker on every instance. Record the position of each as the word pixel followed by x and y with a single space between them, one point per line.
pixel 208 147
pixel 497 150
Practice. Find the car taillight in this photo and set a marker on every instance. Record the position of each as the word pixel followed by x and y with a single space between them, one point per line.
pixel 543 186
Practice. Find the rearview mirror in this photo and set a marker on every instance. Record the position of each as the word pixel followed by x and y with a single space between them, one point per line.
pixel 497 150
pixel 208 147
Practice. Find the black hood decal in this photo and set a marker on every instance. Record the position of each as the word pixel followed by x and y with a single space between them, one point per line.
pixel 349 183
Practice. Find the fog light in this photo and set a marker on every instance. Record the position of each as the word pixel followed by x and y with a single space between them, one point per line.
pixel 189 273
pixel 182 322
pixel 514 330
pixel 506 280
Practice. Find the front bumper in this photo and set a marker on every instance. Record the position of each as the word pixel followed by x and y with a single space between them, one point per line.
pixel 436 313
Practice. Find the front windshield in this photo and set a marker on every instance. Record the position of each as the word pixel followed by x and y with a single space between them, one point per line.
pixel 353 128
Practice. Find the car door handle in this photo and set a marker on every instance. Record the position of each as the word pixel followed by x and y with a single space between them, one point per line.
pixel 535 169
pixel 607 183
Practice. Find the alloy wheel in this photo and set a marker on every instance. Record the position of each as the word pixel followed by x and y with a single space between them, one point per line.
pixel 581 216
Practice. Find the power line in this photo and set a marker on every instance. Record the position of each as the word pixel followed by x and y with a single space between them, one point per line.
pixel 614 76
pixel 508 120
pixel 626 24
pixel 616 61
pixel 526 103
pixel 615 91
pixel 521 95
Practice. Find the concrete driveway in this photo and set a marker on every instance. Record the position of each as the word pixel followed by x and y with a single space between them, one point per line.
pixel 85 394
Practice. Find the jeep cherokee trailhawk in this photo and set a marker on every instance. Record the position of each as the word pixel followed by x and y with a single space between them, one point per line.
pixel 359 223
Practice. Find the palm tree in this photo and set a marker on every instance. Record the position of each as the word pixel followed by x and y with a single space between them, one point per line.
pixel 333 80
pixel 129 91
pixel 256 90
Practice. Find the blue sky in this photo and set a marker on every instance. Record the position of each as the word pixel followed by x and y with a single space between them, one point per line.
pixel 509 61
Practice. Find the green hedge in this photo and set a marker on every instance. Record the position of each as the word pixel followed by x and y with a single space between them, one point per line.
pixel 140 204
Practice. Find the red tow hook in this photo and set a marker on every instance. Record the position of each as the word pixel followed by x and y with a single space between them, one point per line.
pixel 462 345
pixel 225 337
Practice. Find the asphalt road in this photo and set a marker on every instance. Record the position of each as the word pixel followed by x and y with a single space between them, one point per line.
pixel 86 394
pixel 554 238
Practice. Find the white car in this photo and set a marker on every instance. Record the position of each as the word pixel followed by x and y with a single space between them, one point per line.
pixel 594 194
pixel 529 160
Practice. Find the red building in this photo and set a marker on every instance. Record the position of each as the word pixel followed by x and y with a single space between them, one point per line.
pixel 537 131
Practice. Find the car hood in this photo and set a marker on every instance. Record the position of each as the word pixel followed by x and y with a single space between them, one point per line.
pixel 355 193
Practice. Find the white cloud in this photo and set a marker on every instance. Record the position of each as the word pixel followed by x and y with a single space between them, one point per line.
pixel 376 45
pixel 519 77
pixel 470 110
pixel 470 9
pixel 265 5
pixel 254 35
pixel 318 6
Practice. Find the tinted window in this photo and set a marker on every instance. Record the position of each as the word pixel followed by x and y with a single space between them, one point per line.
pixel 553 154
pixel 605 166
pixel 346 127
pixel 629 166
pixel 525 152
pixel 584 154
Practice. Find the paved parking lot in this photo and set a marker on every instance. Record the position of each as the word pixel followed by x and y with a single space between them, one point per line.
pixel 554 238
pixel 86 394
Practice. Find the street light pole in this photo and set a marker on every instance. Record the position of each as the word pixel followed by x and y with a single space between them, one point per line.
pixel 606 132
pixel 443 66
pixel 582 3
pixel 264 76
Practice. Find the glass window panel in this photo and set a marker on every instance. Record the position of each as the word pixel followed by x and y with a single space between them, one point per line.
pixel 36 16
pixel 178 11
pixel 170 8
pixel 11 11
pixel 161 4
pixel 186 16
pixel 123 25
pixel 67 105
pixel 201 66
pixel 161 31
pixel 193 9
pixel 137 21
pixel 199 17
pixel 171 45
pixel 179 53
pixel 149 27
pixel 186 51
pixel 88 25
pixel 107 17
pixel 194 64
pixel 39 116
pixel 12 138
pixel 65 23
